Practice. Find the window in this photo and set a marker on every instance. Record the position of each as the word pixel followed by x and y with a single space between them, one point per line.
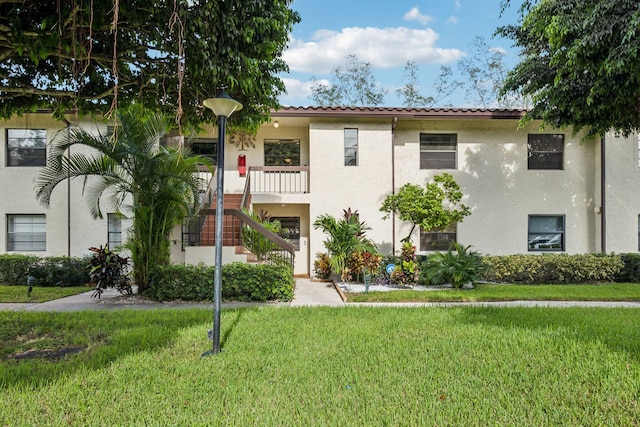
pixel 26 147
pixel 114 230
pixel 282 152
pixel 438 151
pixel 546 151
pixel 438 239
pixel 546 233
pixel 207 147
pixel 26 233
pixel 351 147
pixel 289 229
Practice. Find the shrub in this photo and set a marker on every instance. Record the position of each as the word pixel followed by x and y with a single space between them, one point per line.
pixel 322 266
pixel 240 282
pixel 361 263
pixel 630 272
pixel 407 270
pixel 107 269
pixel 457 266
pixel 552 268
pixel 49 271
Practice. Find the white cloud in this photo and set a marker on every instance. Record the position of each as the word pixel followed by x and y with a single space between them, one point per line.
pixel 452 20
pixel 457 5
pixel 381 47
pixel 297 89
pixel 415 15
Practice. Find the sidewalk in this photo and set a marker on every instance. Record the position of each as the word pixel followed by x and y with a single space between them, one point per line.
pixel 307 293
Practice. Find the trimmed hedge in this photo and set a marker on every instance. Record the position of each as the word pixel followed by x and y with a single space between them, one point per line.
pixel 240 282
pixel 630 273
pixel 552 268
pixel 49 271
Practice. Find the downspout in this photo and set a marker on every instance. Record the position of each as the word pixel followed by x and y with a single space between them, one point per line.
pixel 393 182
pixel 603 195
pixel 68 123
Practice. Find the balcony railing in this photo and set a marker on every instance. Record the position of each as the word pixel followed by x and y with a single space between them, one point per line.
pixel 278 179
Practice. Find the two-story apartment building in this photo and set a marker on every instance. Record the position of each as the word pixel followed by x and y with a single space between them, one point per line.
pixel 530 190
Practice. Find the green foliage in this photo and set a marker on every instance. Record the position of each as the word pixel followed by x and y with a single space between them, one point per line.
pixel 458 266
pixel 322 266
pixel 160 184
pixel 552 268
pixel 240 282
pixel 353 86
pixel 630 272
pixel 345 236
pixel 67 55
pixel 436 205
pixel 48 271
pixel 107 269
pixel 407 269
pixel 363 263
pixel 255 242
pixel 579 63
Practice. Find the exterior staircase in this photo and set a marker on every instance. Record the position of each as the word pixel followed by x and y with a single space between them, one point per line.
pixel 231 225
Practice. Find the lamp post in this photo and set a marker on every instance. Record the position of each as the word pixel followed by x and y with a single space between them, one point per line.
pixel 222 106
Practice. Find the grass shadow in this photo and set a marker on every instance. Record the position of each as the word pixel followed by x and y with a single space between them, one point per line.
pixel 613 327
pixel 105 336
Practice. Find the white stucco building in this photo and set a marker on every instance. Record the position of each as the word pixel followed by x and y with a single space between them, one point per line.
pixel 530 190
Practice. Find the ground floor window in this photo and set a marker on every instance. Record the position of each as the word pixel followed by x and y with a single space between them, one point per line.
pixel 546 233
pixel 26 233
pixel 438 239
pixel 114 230
pixel 290 229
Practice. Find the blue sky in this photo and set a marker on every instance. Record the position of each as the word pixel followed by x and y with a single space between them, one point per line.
pixel 387 35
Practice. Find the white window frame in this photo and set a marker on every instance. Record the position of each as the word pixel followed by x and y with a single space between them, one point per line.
pixel 438 151
pixel 26 232
pixel 114 230
pixel 351 146
pixel 32 142
pixel 546 239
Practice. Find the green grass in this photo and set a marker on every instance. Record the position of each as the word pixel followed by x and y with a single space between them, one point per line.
pixel 357 366
pixel 38 294
pixel 490 292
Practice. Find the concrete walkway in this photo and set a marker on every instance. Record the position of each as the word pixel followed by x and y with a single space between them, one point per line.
pixel 307 293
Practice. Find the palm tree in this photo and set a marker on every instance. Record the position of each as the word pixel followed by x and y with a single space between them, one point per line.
pixel 128 165
pixel 345 236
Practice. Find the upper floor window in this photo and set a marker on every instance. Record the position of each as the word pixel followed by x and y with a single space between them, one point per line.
pixel 207 147
pixel 114 230
pixel 545 151
pixel 438 239
pixel 26 147
pixel 546 233
pixel 438 151
pixel 282 152
pixel 26 233
pixel 351 147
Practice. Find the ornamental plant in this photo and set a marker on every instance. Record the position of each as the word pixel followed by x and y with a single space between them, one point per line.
pixel 107 269
pixel 407 271
pixel 457 266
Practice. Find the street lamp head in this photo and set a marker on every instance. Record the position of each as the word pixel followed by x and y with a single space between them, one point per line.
pixel 222 105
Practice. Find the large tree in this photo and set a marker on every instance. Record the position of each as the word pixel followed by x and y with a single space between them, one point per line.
pixel 353 85
pixel 443 87
pixel 580 63
pixel 166 55
pixel 486 71
pixel 128 170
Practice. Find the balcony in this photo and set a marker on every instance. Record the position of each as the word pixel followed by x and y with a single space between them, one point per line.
pixel 278 179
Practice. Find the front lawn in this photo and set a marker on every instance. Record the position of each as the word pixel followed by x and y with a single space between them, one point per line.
pixel 38 294
pixel 492 292
pixel 357 366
